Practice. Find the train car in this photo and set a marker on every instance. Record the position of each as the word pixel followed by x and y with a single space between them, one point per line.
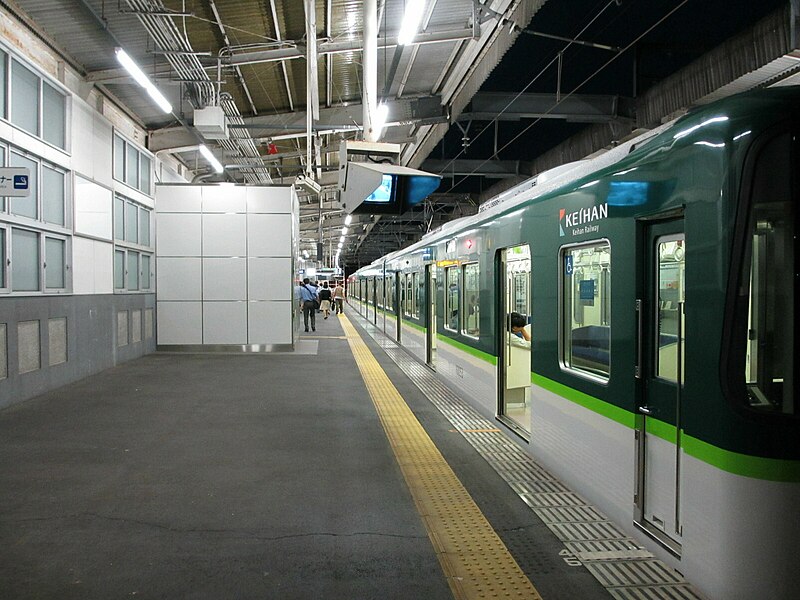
pixel 657 285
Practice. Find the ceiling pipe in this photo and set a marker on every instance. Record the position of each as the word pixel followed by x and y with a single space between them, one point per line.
pixel 370 76
pixel 239 76
pixel 188 66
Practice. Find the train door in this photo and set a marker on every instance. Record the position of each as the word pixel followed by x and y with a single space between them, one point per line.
pixel 381 319
pixel 374 284
pixel 660 367
pixel 398 303
pixel 513 338
pixel 430 315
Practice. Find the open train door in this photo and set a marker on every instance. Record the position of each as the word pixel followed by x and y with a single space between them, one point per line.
pixel 660 370
pixel 514 361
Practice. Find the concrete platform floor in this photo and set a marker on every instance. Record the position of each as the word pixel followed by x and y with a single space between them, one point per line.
pixel 234 476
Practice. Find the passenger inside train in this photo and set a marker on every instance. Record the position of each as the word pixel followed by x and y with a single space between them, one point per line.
pixel 520 330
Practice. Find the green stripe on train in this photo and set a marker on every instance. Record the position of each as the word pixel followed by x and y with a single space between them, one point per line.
pixel 414 326
pixel 770 469
pixel 615 413
pixel 491 359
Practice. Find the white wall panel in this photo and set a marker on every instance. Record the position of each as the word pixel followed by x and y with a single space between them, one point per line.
pixel 93 209
pixel 236 265
pixel 179 199
pixel 224 199
pixel 82 266
pixel 269 235
pixel 92 266
pixel 179 278
pixel 269 200
pixel 179 323
pixel 224 279
pixel 270 322
pixel 224 322
pixel 102 141
pixel 224 235
pixel 82 129
pixel 178 235
pixel 103 268
pixel 269 279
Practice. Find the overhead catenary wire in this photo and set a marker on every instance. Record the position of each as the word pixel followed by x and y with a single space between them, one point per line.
pixel 564 97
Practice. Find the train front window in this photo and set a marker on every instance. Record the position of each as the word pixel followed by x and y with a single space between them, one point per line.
pixel 770 285
pixel 586 309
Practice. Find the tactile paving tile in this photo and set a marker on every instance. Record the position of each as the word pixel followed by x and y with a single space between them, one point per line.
pixel 625 568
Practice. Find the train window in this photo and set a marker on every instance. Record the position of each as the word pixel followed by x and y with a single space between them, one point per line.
pixel 769 287
pixel 451 298
pixel 416 295
pixel 471 301
pixel 586 310
pixel 379 291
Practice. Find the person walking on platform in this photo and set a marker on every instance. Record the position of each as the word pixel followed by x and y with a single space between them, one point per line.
pixel 338 298
pixel 325 299
pixel 308 303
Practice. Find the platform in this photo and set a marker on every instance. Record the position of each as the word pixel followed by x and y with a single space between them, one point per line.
pixel 286 475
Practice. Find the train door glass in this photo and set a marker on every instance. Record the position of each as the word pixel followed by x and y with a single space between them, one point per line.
pixel 514 332
pixel 430 315
pixel 660 365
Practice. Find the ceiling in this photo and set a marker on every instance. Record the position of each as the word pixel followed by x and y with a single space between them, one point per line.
pixel 490 92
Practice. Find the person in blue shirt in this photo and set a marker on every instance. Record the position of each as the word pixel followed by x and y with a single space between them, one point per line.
pixel 308 297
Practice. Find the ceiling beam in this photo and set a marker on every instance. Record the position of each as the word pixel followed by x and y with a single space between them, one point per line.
pixel 338 46
pixel 501 106
pixel 427 109
pixel 274 13
pixel 495 169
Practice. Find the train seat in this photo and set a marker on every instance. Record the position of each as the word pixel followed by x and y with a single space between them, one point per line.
pixel 590 346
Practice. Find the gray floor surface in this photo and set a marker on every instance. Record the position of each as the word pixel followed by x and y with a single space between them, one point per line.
pixel 234 476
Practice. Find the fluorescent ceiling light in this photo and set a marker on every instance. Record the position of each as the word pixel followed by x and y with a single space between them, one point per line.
pixel 210 158
pixel 339 245
pixel 341 240
pixel 348 219
pixel 344 230
pixel 411 18
pixel 142 79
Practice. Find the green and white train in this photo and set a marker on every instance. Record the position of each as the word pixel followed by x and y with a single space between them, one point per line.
pixel 663 394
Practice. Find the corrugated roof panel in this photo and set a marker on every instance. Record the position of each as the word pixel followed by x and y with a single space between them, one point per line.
pixel 80 34
pixel 451 14
pixel 428 65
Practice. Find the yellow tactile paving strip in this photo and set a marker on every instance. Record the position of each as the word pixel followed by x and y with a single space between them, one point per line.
pixel 475 561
